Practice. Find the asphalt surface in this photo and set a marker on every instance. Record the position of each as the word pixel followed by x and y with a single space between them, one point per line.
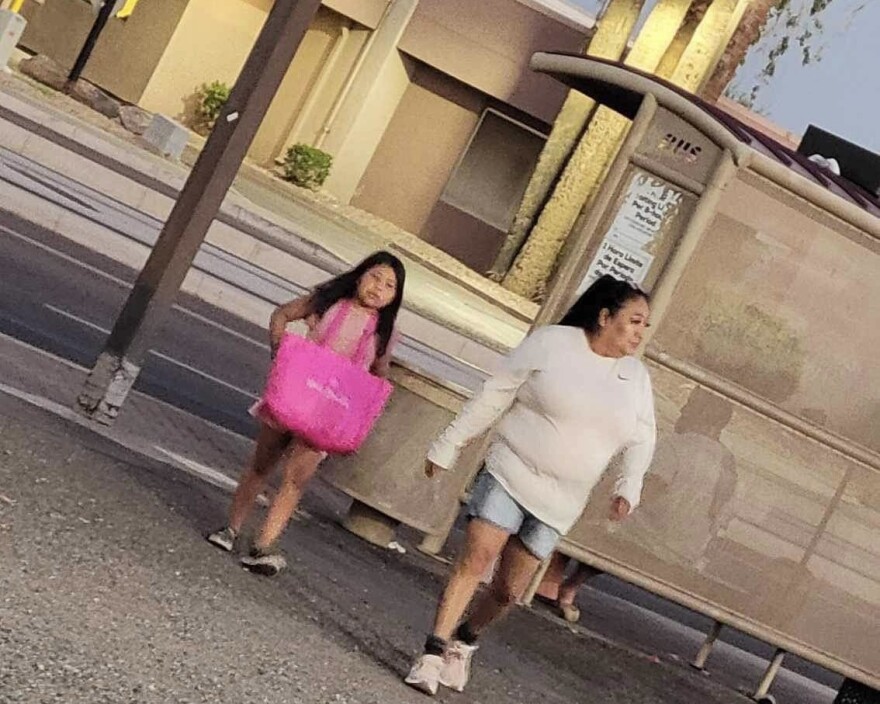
pixel 109 593
pixel 61 297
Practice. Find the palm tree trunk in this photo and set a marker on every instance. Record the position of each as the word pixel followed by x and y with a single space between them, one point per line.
pixel 609 42
pixel 707 45
pixel 748 33
pixel 589 161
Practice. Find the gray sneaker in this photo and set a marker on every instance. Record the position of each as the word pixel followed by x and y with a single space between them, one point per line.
pixel 457 665
pixel 223 539
pixel 267 562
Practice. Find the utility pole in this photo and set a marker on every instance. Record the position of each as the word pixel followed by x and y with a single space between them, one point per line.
pixel 86 51
pixel 157 285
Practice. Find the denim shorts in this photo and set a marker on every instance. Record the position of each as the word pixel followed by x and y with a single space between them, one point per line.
pixel 490 502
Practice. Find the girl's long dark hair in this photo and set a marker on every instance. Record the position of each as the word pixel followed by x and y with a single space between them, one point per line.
pixel 346 285
pixel 606 292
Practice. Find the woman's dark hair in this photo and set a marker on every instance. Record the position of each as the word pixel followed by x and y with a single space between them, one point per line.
pixel 346 285
pixel 606 292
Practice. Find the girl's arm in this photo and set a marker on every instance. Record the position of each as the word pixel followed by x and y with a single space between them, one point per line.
pixel 382 366
pixel 297 309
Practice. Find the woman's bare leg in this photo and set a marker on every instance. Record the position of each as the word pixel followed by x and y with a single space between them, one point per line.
pixel 484 543
pixel 516 570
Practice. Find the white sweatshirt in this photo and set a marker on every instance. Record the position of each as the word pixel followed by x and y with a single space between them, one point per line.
pixel 562 412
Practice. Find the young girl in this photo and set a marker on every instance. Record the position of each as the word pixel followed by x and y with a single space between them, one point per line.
pixel 375 291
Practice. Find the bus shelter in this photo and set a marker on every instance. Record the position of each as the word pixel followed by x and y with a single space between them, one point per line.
pixel 762 506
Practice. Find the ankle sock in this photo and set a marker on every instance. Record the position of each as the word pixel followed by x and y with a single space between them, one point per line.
pixel 465 634
pixel 435 645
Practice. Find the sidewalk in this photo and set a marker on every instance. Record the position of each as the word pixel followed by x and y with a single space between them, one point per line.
pixel 110 593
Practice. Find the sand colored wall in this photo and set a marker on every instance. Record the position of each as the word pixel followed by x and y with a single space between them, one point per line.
pixel 128 51
pixel 415 158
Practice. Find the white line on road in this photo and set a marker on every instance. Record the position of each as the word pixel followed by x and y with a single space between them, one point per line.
pixel 125 284
pixel 66 257
pixel 208 474
pixel 183 365
pixel 222 328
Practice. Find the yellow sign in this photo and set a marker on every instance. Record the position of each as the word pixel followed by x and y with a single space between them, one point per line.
pixel 126 9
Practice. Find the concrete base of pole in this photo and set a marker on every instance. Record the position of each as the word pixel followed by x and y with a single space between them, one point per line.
pixel 106 388
pixel 369 524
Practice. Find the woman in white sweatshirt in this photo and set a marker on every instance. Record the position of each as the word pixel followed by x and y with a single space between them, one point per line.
pixel 563 403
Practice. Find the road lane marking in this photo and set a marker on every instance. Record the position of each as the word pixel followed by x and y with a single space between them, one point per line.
pixel 221 327
pixel 206 473
pixel 183 365
pixel 127 285
pixel 65 257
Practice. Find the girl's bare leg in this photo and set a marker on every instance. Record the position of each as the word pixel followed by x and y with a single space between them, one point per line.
pixel 299 467
pixel 270 446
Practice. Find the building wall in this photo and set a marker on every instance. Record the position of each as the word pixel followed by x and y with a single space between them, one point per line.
pixel 125 56
pixel 477 207
pixel 759 122
pixel 419 150
pixel 299 112
pixel 487 45
pixel 212 41
pixel 365 12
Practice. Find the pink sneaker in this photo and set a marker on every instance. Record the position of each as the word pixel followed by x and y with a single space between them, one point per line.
pixel 457 665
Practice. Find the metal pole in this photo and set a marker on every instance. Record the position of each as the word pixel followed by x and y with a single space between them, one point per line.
pixel 158 283
pixel 762 693
pixel 708 644
pixel 86 51
pixel 529 595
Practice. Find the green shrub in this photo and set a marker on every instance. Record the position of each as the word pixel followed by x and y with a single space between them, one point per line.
pixel 306 166
pixel 211 99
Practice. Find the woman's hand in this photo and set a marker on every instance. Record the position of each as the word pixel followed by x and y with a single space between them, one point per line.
pixel 620 509
pixel 431 469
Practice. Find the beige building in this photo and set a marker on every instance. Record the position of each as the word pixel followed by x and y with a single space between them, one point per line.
pixel 429 108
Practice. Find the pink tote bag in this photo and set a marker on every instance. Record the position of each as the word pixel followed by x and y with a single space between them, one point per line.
pixel 324 398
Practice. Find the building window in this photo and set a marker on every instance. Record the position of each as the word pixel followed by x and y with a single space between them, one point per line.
pixel 492 175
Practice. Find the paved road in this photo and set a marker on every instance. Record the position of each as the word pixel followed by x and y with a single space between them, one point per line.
pixel 62 298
